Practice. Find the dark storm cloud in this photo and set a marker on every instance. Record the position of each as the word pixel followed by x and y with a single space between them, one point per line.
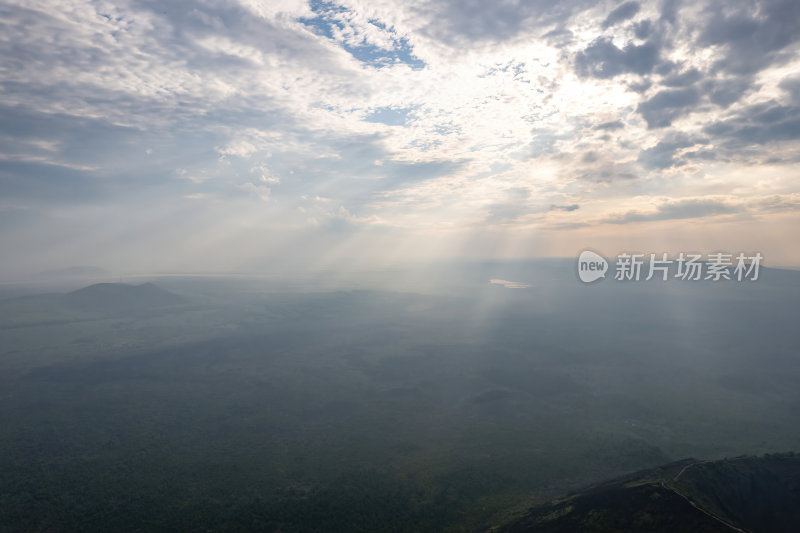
pixel 667 105
pixel 623 12
pixel 603 59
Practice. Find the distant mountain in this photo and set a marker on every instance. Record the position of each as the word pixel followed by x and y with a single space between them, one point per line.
pixel 120 297
pixel 746 494
pixel 101 299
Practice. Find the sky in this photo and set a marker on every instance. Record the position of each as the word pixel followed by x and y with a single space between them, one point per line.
pixel 265 136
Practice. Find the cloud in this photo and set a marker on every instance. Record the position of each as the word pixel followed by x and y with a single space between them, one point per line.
pixel 667 105
pixel 622 13
pixel 518 206
pixel 758 124
pixel 662 155
pixel 260 190
pixel 461 23
pixel 509 284
pixel 777 204
pixel 607 172
pixel 610 126
pixel 428 116
pixel 47 184
pixel 506 212
pixel 603 59
pixel 755 34
pixel 726 92
pixel 669 11
pixel 689 77
pixel 792 86
pixel 643 29
pixel 676 210
pixel 567 208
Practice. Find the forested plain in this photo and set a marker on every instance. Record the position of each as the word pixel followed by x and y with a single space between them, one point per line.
pixel 441 402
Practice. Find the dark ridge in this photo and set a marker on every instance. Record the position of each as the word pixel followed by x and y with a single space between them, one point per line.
pixel 757 494
pixel 746 494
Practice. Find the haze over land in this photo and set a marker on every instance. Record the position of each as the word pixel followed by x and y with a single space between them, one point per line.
pixel 238 404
